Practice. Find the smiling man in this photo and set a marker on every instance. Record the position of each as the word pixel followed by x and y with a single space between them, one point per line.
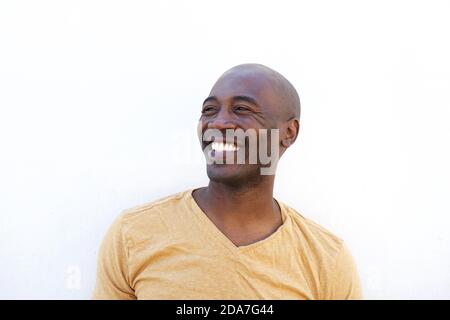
pixel 230 239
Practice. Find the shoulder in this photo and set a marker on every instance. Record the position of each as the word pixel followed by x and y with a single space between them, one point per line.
pixel 318 240
pixel 149 220
pixel 134 214
pixel 329 255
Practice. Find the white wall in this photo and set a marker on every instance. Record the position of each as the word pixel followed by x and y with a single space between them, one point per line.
pixel 99 102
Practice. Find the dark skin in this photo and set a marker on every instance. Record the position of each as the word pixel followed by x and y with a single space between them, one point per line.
pixel 238 199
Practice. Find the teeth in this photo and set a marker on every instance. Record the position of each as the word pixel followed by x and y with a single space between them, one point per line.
pixel 220 146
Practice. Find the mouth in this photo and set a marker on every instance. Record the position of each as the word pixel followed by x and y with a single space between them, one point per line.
pixel 221 146
pixel 219 151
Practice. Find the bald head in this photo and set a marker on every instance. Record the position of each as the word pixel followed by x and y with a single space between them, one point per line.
pixel 286 94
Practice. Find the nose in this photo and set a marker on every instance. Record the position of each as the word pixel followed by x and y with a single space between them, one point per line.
pixel 222 121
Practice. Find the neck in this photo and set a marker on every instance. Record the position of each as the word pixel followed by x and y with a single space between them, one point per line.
pixel 244 214
pixel 262 191
pixel 245 204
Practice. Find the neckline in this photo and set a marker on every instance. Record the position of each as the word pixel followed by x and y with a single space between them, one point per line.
pixel 214 232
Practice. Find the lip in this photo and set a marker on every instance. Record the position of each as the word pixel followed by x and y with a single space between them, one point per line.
pixel 233 142
pixel 222 154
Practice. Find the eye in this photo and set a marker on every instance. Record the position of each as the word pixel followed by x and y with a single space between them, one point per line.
pixel 208 109
pixel 242 108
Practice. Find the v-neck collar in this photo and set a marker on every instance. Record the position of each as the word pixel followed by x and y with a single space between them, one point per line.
pixel 209 227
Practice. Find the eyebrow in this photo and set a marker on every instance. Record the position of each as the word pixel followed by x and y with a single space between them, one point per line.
pixel 210 98
pixel 246 98
pixel 242 98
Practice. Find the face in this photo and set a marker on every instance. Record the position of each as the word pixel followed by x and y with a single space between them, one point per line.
pixel 238 100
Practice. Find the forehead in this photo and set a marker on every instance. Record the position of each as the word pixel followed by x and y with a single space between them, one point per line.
pixel 256 85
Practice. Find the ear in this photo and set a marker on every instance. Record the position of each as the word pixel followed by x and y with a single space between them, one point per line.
pixel 290 133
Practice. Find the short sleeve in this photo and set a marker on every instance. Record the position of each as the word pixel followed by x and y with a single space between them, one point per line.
pixel 344 282
pixel 113 280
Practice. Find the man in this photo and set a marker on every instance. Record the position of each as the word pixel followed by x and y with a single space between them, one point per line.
pixel 231 239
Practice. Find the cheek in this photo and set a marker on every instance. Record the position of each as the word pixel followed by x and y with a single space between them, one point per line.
pixel 250 123
pixel 201 127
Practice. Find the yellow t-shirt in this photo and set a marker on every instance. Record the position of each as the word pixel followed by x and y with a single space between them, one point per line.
pixel 169 249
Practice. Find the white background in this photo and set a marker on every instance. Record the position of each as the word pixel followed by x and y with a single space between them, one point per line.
pixel 100 100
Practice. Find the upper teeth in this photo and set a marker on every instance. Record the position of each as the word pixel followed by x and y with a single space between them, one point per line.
pixel 220 146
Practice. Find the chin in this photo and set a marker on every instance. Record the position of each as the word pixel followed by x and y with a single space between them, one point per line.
pixel 233 174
